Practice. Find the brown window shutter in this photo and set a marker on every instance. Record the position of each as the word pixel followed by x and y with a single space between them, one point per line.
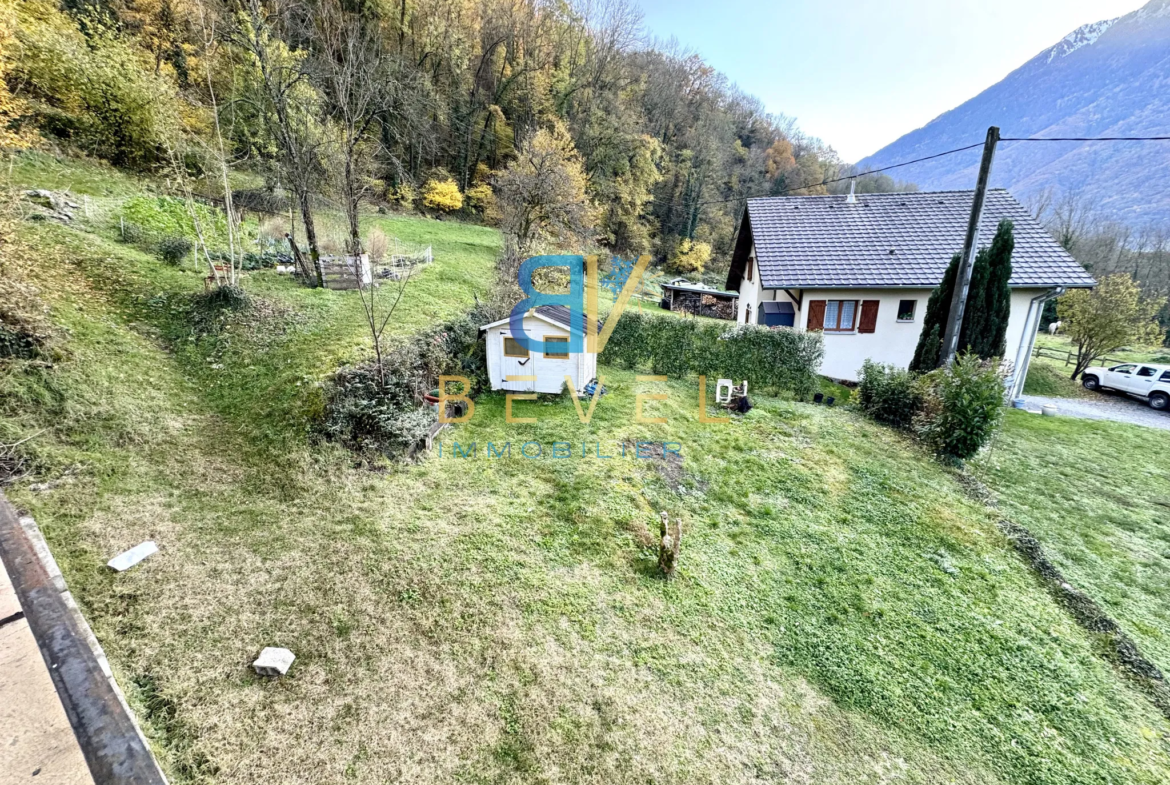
pixel 816 315
pixel 750 264
pixel 869 311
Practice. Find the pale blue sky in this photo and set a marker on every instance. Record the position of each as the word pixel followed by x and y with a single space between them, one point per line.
pixel 860 73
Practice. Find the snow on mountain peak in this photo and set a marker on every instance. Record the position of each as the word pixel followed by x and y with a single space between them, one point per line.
pixel 1082 36
pixel 1150 11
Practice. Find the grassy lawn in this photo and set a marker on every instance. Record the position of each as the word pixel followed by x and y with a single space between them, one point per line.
pixel 843 613
pixel 1097 494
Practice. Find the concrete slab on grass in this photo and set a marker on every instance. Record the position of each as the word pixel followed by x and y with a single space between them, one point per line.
pixel 37 741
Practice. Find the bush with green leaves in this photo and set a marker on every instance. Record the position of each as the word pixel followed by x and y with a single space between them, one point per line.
pixel 383 413
pixel 95 89
pixel 131 233
pixel 888 394
pixel 375 413
pixel 173 249
pixel 776 359
pixel 962 404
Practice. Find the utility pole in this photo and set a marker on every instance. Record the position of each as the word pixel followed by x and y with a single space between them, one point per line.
pixel 950 343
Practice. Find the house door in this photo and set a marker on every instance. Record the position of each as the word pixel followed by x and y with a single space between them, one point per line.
pixel 1143 380
pixel 517 362
pixel 1120 377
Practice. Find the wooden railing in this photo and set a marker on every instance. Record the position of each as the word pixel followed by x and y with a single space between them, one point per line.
pixel 1068 358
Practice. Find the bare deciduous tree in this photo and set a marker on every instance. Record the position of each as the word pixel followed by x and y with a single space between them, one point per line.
pixel 287 103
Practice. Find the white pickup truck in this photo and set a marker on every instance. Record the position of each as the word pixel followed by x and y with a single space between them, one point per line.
pixel 1151 382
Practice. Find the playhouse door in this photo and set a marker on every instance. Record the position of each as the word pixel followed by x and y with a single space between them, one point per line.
pixel 517 362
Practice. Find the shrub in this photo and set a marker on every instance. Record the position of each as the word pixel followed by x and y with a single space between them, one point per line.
pixel 779 359
pixel 131 233
pixel 442 194
pixel 483 200
pixel 961 406
pixel 405 194
pixel 888 394
pixel 94 89
pixel 372 415
pixel 691 256
pixel 174 248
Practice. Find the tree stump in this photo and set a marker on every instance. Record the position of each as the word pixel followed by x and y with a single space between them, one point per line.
pixel 670 539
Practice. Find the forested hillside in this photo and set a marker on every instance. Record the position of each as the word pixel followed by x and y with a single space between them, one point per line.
pixel 415 104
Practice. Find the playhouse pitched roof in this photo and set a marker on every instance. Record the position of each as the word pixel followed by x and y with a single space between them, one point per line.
pixel 557 314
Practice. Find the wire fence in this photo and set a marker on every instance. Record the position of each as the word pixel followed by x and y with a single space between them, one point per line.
pixel 154 224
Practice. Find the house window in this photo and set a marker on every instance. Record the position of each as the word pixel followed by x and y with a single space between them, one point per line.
pixel 750 264
pixel 906 310
pixel 512 348
pixel 840 316
pixel 556 347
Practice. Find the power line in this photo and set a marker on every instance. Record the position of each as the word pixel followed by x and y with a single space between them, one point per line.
pixel 1085 139
pixel 848 177
pixel 940 155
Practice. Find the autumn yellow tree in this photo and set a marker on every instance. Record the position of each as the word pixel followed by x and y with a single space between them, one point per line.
pixel 442 193
pixel 12 109
pixel 542 192
pixel 691 256
pixel 1110 316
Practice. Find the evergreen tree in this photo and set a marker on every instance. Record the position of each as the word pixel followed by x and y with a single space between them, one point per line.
pixel 989 298
pixel 934 323
pixel 985 316
pixel 999 293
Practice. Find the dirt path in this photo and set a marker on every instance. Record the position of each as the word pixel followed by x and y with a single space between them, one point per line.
pixel 1117 407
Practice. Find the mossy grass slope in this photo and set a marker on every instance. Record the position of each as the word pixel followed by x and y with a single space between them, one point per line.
pixel 842 613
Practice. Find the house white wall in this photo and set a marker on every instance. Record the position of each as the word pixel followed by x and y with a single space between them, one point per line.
pixel 749 292
pixel 550 373
pixel 891 342
pixel 752 293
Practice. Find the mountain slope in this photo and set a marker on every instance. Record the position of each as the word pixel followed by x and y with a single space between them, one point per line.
pixel 1110 78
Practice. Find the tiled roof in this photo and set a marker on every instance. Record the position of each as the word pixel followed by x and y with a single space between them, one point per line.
pixel 562 315
pixel 892 240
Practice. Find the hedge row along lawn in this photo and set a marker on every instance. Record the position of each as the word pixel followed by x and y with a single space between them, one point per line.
pixel 843 612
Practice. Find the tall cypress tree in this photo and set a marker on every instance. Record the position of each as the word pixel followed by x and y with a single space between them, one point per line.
pixel 934 322
pixel 989 297
pixel 999 293
pixel 985 316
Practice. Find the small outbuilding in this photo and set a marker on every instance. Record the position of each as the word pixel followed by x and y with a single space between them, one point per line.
pixel 679 294
pixel 507 357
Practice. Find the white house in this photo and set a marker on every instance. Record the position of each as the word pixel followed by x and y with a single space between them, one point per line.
pixel 506 357
pixel 862 269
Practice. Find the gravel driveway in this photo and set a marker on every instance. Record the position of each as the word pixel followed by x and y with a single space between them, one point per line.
pixel 1116 406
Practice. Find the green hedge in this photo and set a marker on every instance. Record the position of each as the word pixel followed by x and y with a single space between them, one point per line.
pixel 776 359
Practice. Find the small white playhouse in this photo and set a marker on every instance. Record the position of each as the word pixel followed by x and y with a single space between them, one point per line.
pixel 507 357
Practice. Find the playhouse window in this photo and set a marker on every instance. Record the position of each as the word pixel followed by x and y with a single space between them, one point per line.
pixel 512 348
pixel 556 347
